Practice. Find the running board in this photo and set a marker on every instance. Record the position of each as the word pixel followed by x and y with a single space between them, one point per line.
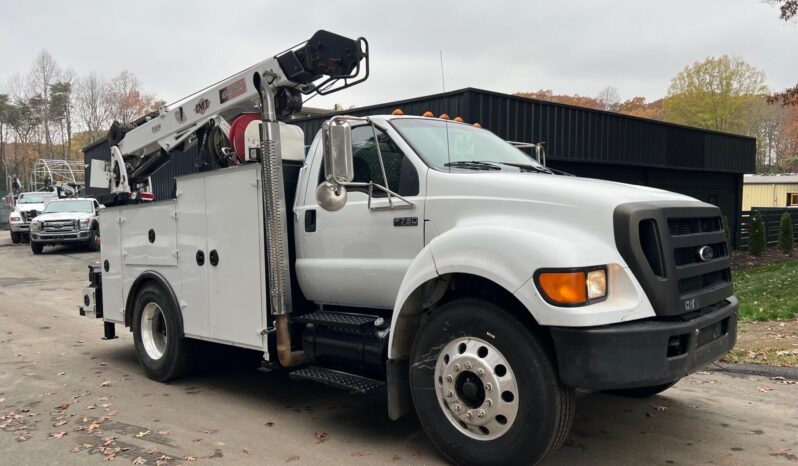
pixel 340 319
pixel 343 380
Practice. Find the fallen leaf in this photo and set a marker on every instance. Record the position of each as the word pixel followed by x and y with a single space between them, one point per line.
pixel 162 460
pixel 418 454
pixel 76 449
pixel 105 384
pixel 661 408
pixel 63 406
pixel 57 434
pixel 142 434
pixel 108 441
pixel 61 373
pixel 139 460
pixel 163 432
pixel 359 453
pixel 91 406
pixel 269 424
pixel 59 423
pixel 190 458
pixel 2 400
pixel 765 389
pixel 211 431
pixel 110 457
pixel 320 436
pixel 94 425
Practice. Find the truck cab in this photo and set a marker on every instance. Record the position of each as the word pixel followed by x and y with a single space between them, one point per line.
pixel 26 208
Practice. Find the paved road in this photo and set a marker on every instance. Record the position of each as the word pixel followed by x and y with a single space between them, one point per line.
pixel 57 375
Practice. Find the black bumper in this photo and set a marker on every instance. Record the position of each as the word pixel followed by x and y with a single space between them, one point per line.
pixel 644 353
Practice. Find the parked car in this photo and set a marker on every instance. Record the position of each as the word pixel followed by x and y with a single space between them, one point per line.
pixel 67 221
pixel 27 207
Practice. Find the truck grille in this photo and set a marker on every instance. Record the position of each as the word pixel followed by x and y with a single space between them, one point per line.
pixel 59 226
pixel 30 215
pixel 663 246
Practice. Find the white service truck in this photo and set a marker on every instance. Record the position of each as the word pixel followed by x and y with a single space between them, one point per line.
pixel 420 256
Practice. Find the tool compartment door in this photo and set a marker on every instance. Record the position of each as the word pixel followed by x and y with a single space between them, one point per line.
pixel 111 253
pixel 234 256
pixel 193 260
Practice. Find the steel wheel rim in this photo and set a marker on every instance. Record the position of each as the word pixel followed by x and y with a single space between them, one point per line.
pixel 153 331
pixel 482 412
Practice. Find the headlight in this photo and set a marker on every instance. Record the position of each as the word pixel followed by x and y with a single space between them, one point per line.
pixel 34 226
pixel 84 223
pixel 13 218
pixel 572 287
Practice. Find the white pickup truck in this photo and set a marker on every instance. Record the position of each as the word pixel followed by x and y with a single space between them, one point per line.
pixel 27 207
pixel 66 221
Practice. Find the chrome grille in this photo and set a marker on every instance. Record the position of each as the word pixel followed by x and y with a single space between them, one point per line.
pixel 59 225
pixel 30 215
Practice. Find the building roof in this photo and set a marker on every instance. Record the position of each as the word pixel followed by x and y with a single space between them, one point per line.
pixel 771 179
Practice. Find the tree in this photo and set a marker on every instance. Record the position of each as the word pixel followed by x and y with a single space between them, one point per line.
pixel 637 106
pixel 757 242
pixel 788 9
pixel 714 94
pixel 93 104
pixel 608 99
pixel 44 73
pixel 785 233
pixel 61 113
pixel 5 114
pixel 127 99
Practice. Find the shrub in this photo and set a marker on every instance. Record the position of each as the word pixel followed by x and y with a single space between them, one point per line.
pixel 785 233
pixel 757 242
pixel 725 221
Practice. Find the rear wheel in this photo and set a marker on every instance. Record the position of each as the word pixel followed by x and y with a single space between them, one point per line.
pixel 643 392
pixel 93 243
pixel 485 389
pixel 37 248
pixel 163 353
pixel 16 237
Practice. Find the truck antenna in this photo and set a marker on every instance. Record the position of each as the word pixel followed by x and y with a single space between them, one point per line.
pixel 445 106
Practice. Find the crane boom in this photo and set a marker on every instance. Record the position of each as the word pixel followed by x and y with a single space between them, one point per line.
pixel 324 64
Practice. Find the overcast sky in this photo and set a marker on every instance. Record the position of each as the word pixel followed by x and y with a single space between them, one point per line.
pixel 570 47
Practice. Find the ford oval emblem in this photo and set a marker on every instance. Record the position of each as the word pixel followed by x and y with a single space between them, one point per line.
pixel 705 253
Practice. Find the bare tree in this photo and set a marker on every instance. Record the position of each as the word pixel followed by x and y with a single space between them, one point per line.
pixel 93 104
pixel 127 99
pixel 45 72
pixel 609 99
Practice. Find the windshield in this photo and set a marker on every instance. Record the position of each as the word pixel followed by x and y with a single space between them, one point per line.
pixel 68 206
pixel 34 198
pixel 466 144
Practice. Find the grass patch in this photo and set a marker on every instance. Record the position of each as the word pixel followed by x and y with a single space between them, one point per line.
pixel 768 293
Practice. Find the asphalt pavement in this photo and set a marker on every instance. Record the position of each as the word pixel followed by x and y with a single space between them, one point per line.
pixel 69 397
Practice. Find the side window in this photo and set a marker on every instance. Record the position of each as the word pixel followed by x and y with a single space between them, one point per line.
pixel 401 175
pixel 792 199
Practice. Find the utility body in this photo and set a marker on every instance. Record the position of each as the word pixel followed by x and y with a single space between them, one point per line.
pixel 418 254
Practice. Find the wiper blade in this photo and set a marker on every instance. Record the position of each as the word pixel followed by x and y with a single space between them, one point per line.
pixel 529 168
pixel 473 165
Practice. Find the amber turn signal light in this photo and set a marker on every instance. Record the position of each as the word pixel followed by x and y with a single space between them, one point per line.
pixel 564 287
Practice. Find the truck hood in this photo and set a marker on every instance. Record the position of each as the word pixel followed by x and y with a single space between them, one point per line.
pixel 28 207
pixel 64 216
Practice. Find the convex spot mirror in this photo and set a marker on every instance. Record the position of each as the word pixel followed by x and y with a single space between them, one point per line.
pixel 336 136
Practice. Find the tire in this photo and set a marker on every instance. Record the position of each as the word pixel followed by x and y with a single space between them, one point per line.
pixel 519 429
pixel 643 392
pixel 37 248
pixel 16 237
pixel 161 351
pixel 25 237
pixel 93 244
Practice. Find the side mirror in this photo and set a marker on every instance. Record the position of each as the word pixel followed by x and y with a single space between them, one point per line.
pixel 336 135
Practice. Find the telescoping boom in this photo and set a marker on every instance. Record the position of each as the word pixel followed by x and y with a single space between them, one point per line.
pixel 273 88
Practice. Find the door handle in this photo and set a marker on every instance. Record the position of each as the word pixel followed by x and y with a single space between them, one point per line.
pixel 214 257
pixel 310 220
pixel 200 258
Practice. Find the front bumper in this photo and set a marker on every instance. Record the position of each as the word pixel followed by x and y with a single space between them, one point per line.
pixel 647 352
pixel 20 227
pixel 60 236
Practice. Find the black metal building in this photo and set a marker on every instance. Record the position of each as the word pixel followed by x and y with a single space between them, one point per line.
pixel 707 165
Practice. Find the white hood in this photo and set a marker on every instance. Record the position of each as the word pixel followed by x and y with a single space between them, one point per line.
pixel 64 216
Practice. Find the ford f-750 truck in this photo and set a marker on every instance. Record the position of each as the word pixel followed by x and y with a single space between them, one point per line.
pixel 420 256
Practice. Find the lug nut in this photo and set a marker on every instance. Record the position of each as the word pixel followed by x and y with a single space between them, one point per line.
pixel 468 365
pixel 456 407
pixel 469 415
pixel 488 387
pixel 457 367
pixel 488 402
pixel 449 378
pixel 481 413
pixel 449 394
pixel 480 372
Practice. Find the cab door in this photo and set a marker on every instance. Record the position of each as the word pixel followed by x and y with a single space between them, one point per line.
pixel 356 256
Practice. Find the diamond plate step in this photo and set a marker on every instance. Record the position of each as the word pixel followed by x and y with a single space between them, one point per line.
pixel 337 319
pixel 344 381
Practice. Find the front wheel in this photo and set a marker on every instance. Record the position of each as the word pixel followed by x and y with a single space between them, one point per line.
pixel 16 237
pixel 37 248
pixel 163 353
pixel 93 243
pixel 485 389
